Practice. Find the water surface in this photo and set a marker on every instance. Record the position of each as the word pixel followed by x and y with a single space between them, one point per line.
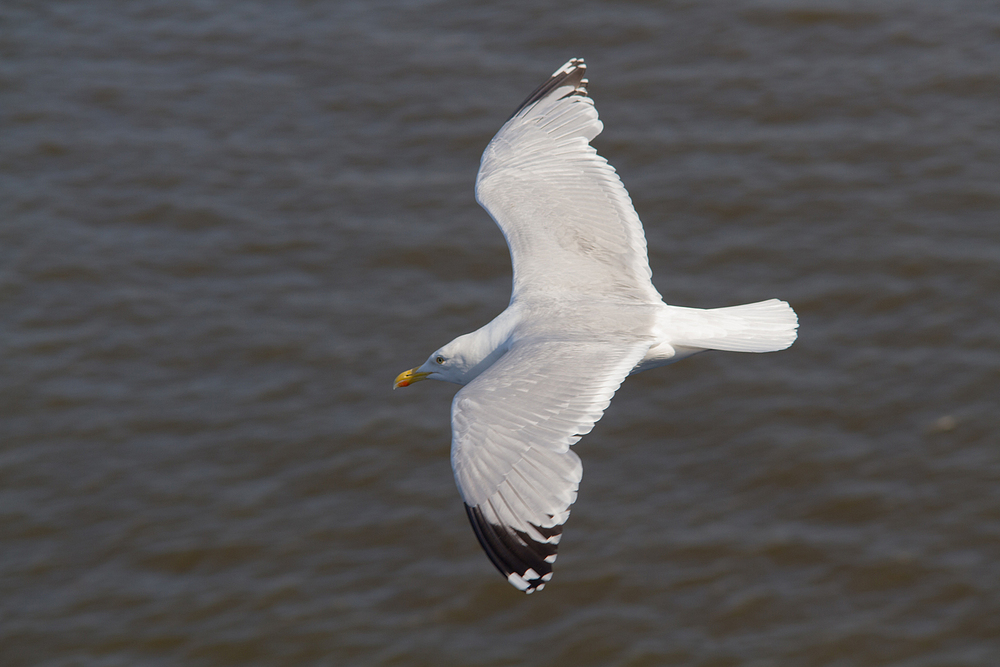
pixel 224 228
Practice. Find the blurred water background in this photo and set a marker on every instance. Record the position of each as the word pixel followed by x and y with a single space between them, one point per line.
pixel 225 228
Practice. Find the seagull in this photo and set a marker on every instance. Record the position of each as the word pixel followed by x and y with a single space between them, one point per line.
pixel 583 315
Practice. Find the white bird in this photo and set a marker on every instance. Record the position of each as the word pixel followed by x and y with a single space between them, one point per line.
pixel 583 315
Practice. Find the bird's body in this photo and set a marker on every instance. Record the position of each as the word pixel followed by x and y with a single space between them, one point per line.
pixel 583 315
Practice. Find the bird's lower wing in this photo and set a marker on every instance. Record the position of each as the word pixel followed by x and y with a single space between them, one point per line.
pixel 512 428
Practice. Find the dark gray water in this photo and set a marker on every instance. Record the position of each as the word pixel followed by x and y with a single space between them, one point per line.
pixel 225 227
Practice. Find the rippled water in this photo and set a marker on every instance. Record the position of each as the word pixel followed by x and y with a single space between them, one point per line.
pixel 225 227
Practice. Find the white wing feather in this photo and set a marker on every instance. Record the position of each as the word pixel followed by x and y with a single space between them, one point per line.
pixel 567 218
pixel 512 428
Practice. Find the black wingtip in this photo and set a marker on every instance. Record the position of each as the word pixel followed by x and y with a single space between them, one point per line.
pixel 525 562
pixel 570 74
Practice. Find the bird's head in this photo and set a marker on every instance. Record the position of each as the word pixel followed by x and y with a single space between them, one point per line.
pixel 447 363
pixel 460 361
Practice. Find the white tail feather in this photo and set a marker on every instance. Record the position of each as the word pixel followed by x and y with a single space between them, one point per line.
pixel 765 326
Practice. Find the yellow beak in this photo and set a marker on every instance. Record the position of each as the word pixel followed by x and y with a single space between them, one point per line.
pixel 406 378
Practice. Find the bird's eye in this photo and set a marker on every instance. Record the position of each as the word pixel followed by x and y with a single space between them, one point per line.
pixel 440 360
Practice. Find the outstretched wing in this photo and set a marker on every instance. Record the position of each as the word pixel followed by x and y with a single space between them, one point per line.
pixel 512 428
pixel 567 218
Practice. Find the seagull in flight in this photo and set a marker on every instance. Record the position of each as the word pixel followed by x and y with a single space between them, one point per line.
pixel 583 316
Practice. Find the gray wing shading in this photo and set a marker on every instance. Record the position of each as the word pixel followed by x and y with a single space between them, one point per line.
pixel 512 428
pixel 568 220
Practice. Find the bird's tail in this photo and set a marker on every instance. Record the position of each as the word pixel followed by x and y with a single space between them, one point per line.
pixel 765 326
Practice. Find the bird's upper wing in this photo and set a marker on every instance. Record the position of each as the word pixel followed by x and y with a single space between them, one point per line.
pixel 512 428
pixel 568 221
